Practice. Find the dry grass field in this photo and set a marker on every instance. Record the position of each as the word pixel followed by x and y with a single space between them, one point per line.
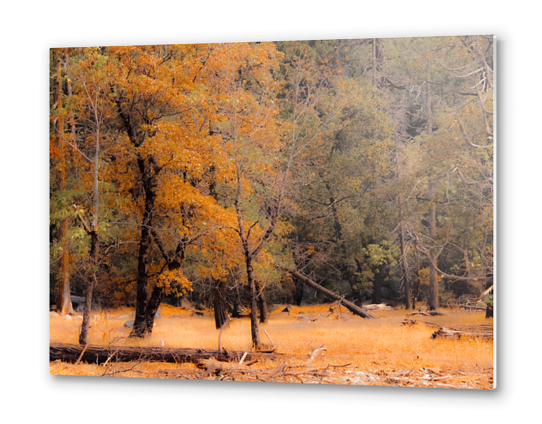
pixel 358 351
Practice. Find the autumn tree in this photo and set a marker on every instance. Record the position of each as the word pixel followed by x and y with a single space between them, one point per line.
pixel 58 153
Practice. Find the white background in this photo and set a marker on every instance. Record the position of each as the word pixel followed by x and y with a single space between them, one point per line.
pixel 29 29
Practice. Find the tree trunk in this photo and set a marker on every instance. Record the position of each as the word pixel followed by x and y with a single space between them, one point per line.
pixel 404 253
pixel 404 266
pixel 489 311
pixel 219 303
pixel 328 293
pixel 262 305
pixel 236 309
pixel 152 307
pixel 93 232
pixel 374 63
pixel 298 292
pixel 83 337
pixel 140 323
pixel 63 302
pixel 253 303
pixel 433 281
pixel 378 63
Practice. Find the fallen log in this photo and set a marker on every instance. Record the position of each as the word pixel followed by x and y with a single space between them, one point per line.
pixel 328 293
pixel 99 354
pixel 467 330
pixel 426 314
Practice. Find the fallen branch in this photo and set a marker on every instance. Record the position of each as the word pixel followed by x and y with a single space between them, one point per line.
pixel 82 352
pixel 317 351
pixel 270 339
pixel 328 293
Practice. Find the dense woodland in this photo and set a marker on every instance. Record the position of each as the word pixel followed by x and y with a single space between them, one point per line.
pixel 240 176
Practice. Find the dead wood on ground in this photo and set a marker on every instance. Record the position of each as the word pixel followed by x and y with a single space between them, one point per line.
pixel 467 330
pixel 328 293
pixel 99 354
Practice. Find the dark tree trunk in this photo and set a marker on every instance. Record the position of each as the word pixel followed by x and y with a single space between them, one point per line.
pixel 219 303
pixel 83 337
pixel 262 304
pixel 140 322
pixel 298 292
pixel 236 313
pixel 141 285
pixel 152 307
pixel 148 171
pixel 173 262
pixel 489 311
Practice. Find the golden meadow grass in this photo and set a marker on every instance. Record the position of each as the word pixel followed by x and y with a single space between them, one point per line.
pixel 377 345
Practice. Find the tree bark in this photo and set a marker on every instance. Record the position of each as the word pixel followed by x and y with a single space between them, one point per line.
pixel 378 62
pixel 255 332
pixel 99 354
pixel 152 307
pixel 404 253
pixel 140 323
pixel 83 336
pixel 404 266
pixel 262 305
pixel 253 303
pixel 433 281
pixel 328 293
pixel 219 303
pixel 298 292
pixel 63 303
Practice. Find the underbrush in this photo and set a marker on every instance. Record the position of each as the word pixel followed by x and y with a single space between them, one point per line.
pixel 379 344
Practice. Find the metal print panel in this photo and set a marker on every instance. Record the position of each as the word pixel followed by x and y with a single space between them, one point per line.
pixel 299 212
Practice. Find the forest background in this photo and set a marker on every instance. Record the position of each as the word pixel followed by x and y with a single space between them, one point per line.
pixel 527 254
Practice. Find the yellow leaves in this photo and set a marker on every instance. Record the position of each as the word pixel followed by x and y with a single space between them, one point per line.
pixel 174 282
pixel 423 275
